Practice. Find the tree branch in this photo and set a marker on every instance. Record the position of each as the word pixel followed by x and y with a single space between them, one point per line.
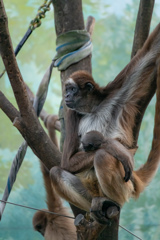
pixel 64 22
pixel 142 24
pixel 8 57
pixel 87 229
pixel 27 123
pixel 8 108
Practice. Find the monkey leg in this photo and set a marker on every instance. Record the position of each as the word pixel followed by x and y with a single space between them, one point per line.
pixel 70 188
pixel 110 175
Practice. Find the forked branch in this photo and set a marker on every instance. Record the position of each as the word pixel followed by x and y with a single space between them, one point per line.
pixel 27 123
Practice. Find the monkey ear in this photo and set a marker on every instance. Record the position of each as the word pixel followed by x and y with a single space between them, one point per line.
pixel 89 86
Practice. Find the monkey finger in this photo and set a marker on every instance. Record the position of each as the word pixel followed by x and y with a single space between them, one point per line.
pixel 128 173
pixel 128 168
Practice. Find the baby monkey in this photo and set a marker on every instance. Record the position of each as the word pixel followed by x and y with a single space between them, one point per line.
pixel 92 140
pixel 95 140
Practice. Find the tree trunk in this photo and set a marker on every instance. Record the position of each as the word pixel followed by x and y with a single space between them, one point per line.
pixel 69 16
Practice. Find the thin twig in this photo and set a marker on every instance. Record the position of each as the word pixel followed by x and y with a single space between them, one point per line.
pixel 28 124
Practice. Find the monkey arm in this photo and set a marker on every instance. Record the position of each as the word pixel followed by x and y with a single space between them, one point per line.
pixel 94 140
pixel 117 150
pixel 79 162
pixel 84 160
pixel 73 160
pixel 135 85
pixel 145 57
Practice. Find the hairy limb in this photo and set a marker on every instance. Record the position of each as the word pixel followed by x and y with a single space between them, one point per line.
pixel 70 188
pixel 73 160
pixel 94 140
pixel 134 87
pixel 147 55
pixel 51 122
pixel 50 225
pixel 117 150
pixel 110 174
pixel 146 172
pixel 79 162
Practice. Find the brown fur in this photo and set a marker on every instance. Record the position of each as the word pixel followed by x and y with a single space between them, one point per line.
pixel 145 173
pixel 51 226
pixel 54 227
pixel 126 98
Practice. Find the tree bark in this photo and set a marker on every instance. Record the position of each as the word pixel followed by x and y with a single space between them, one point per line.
pixel 68 16
pixel 26 120
pixel 64 22
pixel 142 24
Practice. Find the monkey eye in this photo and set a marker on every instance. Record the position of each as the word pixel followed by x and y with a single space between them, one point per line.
pixel 74 89
pixel 71 89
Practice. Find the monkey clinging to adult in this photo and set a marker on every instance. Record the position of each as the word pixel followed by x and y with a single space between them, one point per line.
pixel 116 111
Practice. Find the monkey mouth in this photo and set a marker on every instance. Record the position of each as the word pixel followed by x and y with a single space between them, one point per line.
pixel 69 104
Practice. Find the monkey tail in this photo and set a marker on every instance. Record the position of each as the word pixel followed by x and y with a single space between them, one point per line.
pixel 146 172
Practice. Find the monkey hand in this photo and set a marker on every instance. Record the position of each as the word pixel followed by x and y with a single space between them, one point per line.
pixel 128 168
pixel 123 155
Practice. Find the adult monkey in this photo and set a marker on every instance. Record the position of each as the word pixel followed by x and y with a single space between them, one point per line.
pixel 116 111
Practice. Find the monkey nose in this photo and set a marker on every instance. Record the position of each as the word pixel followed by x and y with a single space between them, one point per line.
pixel 89 147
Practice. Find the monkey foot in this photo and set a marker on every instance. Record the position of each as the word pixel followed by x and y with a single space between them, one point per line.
pixel 103 209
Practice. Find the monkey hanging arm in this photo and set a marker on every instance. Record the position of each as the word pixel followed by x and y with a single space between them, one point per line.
pixel 135 85
pixel 117 150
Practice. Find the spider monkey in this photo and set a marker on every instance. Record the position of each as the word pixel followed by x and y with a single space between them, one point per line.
pixel 116 111
pixel 53 227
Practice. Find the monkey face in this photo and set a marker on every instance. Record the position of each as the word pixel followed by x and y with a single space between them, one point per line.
pixel 71 93
pixel 92 141
pixel 78 96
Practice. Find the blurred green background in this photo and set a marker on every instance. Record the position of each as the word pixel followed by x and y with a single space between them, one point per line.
pixel 112 41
